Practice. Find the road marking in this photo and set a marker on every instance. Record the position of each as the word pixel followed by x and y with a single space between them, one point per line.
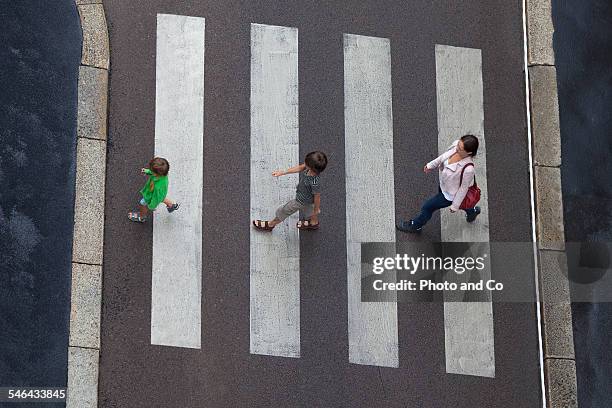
pixel 179 131
pixel 275 257
pixel 468 327
pixel 370 198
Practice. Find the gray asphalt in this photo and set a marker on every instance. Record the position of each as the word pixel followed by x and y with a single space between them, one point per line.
pixel 583 52
pixel 223 373
pixel 40 50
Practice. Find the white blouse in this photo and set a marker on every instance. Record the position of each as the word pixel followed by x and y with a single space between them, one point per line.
pixel 450 176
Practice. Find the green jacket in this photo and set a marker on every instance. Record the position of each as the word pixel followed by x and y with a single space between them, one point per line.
pixel 160 189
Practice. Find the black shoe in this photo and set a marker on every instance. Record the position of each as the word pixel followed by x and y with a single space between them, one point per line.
pixel 174 207
pixel 472 215
pixel 408 226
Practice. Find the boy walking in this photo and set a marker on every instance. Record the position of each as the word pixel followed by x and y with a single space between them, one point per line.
pixel 307 196
pixel 155 190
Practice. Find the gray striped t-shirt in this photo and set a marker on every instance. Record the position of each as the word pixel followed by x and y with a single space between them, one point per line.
pixel 307 188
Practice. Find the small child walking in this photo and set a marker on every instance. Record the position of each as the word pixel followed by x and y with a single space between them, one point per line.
pixel 154 191
pixel 307 196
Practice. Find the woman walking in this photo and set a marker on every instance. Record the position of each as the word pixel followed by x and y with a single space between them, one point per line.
pixel 456 170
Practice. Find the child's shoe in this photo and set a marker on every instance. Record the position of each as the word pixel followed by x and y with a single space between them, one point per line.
pixel 136 217
pixel 173 207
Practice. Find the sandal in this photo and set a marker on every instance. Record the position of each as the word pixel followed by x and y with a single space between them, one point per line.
pixel 262 225
pixel 135 216
pixel 307 225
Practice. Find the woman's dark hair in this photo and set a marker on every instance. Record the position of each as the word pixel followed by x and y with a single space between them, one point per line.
pixel 159 166
pixel 317 161
pixel 470 144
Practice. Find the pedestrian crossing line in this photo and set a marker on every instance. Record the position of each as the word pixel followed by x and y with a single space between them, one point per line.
pixel 370 197
pixel 176 296
pixel 468 327
pixel 274 257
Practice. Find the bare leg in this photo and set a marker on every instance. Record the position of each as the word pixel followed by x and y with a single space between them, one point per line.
pixel 144 210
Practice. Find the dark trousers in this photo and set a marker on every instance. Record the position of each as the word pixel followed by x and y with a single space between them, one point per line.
pixel 434 203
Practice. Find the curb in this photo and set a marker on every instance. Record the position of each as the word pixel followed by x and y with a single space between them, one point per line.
pixel 559 361
pixel 88 234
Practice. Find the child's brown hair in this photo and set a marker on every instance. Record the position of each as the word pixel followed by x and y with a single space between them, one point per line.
pixel 159 166
pixel 317 161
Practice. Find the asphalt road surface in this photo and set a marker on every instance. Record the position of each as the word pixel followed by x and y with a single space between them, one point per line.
pixel 222 372
pixel 40 50
pixel 583 46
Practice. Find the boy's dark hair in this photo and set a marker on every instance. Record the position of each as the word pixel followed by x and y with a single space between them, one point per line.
pixel 159 166
pixel 317 161
pixel 470 144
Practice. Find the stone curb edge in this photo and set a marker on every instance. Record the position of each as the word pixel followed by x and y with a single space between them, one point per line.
pixel 559 360
pixel 88 234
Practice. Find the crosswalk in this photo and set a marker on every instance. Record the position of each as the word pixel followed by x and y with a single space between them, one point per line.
pixel 179 135
pixel 370 199
pixel 468 327
pixel 275 258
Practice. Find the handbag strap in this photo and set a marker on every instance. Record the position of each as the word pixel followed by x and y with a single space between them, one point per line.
pixel 463 169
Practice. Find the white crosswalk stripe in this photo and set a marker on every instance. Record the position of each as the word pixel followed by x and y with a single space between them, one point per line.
pixel 370 197
pixel 176 298
pixel 275 257
pixel 468 327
